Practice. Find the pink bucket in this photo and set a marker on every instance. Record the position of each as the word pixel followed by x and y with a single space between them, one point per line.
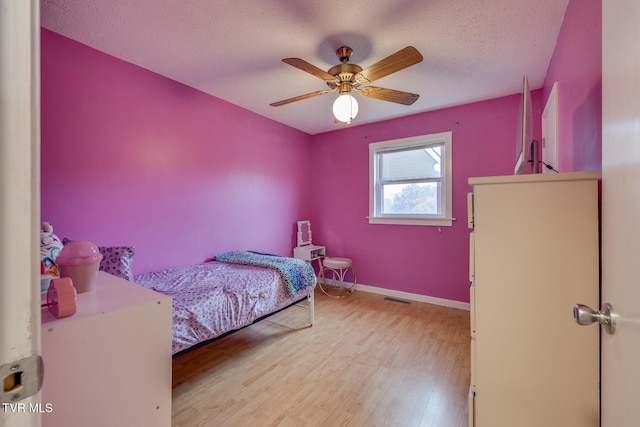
pixel 79 260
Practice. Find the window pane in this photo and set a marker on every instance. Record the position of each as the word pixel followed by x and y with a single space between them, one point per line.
pixel 412 164
pixel 411 199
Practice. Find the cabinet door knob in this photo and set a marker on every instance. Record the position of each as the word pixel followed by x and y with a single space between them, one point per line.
pixel 585 315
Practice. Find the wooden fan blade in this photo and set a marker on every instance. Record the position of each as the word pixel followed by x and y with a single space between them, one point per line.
pixel 401 59
pixel 311 69
pixel 300 98
pixel 391 95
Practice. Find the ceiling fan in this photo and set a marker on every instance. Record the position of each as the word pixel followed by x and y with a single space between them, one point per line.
pixel 346 77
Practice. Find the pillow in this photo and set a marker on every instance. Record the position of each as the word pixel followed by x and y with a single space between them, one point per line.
pixel 116 260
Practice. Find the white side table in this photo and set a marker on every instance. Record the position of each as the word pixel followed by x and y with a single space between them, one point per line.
pixel 309 252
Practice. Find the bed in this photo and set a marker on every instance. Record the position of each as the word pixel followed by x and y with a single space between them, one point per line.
pixel 232 291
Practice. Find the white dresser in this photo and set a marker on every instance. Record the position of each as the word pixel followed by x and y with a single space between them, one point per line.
pixel 110 363
pixel 534 254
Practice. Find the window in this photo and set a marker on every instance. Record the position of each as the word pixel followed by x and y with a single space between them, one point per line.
pixel 410 181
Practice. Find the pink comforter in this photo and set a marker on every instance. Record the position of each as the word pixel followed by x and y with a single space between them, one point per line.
pixel 213 298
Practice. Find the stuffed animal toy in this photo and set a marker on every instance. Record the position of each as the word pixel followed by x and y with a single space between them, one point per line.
pixel 50 247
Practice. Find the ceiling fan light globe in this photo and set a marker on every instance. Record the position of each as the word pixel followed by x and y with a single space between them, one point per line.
pixel 345 108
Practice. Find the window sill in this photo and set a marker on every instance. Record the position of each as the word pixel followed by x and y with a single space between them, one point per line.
pixel 436 222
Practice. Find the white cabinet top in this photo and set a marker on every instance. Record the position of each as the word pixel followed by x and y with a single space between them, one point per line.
pixel 110 293
pixel 538 177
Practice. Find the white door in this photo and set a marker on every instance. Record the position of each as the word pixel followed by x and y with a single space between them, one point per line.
pixel 19 204
pixel 621 211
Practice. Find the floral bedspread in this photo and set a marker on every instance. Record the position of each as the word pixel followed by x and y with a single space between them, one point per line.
pixel 213 298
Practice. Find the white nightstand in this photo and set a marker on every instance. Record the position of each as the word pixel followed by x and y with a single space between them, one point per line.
pixel 309 252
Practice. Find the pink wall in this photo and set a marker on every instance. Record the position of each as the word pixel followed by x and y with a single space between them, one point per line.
pixel 423 260
pixel 577 67
pixel 432 261
pixel 133 158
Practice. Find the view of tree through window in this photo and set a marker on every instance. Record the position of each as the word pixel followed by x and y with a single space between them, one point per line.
pixel 409 180
pixel 411 198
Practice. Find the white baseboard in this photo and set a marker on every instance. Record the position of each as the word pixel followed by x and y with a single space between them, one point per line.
pixel 414 297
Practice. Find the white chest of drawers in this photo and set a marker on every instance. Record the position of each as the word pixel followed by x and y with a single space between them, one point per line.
pixel 110 363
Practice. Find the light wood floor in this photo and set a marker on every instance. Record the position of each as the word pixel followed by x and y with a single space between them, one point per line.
pixel 365 362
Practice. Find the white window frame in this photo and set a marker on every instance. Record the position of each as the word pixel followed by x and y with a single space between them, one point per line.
pixel 444 219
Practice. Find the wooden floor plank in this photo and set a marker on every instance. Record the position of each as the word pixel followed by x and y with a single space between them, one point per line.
pixel 367 361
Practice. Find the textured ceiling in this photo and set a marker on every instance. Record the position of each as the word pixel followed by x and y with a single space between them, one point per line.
pixel 473 49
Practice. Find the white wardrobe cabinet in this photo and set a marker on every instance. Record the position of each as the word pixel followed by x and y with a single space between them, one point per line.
pixel 534 253
pixel 109 364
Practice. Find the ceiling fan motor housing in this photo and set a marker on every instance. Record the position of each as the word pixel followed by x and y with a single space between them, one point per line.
pixel 344 72
pixel 344 53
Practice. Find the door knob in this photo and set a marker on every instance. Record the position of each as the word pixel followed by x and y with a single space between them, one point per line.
pixel 584 315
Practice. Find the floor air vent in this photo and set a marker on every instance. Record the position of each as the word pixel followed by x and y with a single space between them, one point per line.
pixel 397 300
